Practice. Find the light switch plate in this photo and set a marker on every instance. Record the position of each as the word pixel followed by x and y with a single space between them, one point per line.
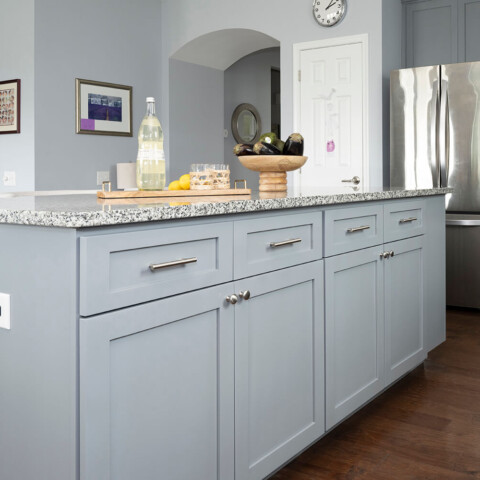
pixel 9 179
pixel 5 311
pixel 103 177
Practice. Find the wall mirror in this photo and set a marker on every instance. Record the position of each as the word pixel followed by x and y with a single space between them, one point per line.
pixel 246 124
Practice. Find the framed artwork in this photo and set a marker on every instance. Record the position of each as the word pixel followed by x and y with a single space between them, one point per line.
pixel 10 106
pixel 103 108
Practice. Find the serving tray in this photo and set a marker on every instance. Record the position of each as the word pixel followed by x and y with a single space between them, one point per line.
pixel 173 193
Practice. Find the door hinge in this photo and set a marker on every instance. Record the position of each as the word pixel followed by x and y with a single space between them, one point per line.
pixel 299 75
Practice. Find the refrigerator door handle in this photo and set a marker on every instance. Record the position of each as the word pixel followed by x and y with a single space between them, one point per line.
pixel 443 137
pixel 434 132
pixel 462 222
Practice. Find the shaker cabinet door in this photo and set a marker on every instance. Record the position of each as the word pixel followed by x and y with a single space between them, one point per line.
pixel 156 390
pixel 354 331
pixel 279 365
pixel 404 307
pixel 431 33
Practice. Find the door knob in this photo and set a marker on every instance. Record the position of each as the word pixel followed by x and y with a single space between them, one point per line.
pixel 355 180
pixel 245 294
pixel 233 299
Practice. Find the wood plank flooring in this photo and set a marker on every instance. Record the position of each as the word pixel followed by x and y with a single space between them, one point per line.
pixel 426 427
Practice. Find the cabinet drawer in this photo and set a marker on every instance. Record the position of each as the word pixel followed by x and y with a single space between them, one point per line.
pixel 349 229
pixel 270 243
pixel 118 270
pixel 404 219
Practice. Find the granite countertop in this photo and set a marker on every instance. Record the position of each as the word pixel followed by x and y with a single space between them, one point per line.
pixel 85 210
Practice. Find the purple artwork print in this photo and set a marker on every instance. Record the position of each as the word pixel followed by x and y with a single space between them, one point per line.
pixel 330 146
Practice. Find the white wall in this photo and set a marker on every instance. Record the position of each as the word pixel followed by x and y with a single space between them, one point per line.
pixel 290 22
pixel 249 81
pixel 16 61
pixel 196 117
pixel 116 41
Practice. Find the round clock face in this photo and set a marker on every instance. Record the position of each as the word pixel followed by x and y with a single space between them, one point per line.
pixel 329 12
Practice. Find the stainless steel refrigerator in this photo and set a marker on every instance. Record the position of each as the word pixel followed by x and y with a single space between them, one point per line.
pixel 435 141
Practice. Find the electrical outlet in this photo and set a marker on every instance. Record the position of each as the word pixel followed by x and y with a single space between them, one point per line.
pixel 9 179
pixel 5 311
pixel 103 177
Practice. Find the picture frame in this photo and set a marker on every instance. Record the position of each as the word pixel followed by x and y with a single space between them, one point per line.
pixel 103 108
pixel 10 106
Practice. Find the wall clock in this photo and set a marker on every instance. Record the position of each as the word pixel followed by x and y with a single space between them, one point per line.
pixel 329 12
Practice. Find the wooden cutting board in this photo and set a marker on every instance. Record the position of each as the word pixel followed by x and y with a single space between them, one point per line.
pixel 173 193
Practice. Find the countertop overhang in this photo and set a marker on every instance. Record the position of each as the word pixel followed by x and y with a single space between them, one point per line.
pixel 86 210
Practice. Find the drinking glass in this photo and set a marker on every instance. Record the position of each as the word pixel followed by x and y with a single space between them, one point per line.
pixel 220 176
pixel 201 176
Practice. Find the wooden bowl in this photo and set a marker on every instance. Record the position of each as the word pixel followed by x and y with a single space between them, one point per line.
pixel 272 163
pixel 273 169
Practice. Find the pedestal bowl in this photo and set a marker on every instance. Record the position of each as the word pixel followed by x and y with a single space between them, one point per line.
pixel 273 169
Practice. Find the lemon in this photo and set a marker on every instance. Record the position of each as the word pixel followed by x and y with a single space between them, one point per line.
pixel 174 185
pixel 185 182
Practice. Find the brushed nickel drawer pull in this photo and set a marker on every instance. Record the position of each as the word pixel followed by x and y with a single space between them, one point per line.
pixel 175 263
pixel 286 242
pixel 358 229
pixel 408 220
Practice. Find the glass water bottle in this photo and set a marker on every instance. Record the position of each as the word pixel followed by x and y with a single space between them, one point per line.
pixel 151 157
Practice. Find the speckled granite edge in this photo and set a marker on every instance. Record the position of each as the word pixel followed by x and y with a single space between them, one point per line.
pixel 118 216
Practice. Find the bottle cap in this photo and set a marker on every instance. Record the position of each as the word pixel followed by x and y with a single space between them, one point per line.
pixel 150 99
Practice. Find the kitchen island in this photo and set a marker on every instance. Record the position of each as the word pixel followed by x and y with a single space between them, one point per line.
pixel 182 340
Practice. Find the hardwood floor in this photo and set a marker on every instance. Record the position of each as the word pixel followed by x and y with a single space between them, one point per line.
pixel 426 427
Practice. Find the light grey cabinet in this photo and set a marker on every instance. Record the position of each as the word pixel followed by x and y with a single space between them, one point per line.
pixel 354 331
pixel 156 390
pixel 404 219
pixel 404 307
pixel 144 375
pixel 266 244
pixel 375 309
pixel 279 368
pixel 348 229
pixel 431 32
pixel 468 30
pixel 193 386
pixel 441 32
pixel 115 268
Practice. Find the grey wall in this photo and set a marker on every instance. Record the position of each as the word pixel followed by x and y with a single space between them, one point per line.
pixel 16 61
pixel 290 23
pixel 248 81
pixel 115 41
pixel 391 60
pixel 196 117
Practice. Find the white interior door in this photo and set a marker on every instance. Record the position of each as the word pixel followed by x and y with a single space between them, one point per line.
pixel 330 114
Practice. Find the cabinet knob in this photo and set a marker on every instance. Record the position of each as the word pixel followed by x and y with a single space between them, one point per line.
pixel 391 253
pixel 233 299
pixel 245 294
pixel 385 255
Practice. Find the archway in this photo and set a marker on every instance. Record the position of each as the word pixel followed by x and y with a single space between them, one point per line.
pixel 198 76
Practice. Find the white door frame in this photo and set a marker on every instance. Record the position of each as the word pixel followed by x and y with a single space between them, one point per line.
pixel 333 42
